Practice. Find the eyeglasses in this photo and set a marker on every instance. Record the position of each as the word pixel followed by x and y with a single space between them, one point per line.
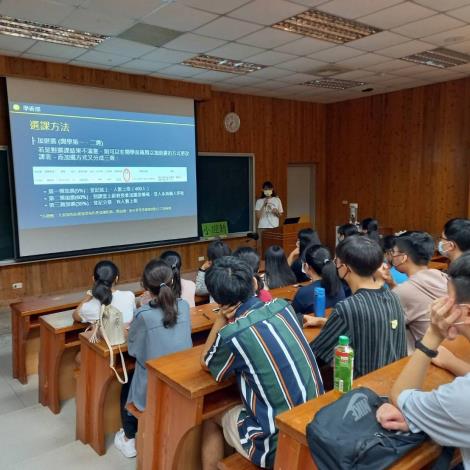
pixel 395 254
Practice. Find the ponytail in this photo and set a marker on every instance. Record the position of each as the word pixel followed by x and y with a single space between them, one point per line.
pixel 173 259
pixel 158 279
pixel 319 259
pixel 105 275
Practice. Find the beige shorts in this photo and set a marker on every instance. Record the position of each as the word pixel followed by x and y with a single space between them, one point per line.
pixel 230 428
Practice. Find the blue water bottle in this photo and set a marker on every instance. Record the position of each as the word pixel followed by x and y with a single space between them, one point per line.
pixel 319 301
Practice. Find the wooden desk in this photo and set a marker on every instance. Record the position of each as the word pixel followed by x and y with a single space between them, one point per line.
pixel 59 346
pixel 98 391
pixel 293 452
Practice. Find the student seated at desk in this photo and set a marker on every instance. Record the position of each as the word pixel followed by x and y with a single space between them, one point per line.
pixel 411 254
pixel 215 250
pixel 320 268
pixel 263 345
pixel 443 414
pixel 277 272
pixel 388 243
pixel 251 257
pixel 104 292
pixel 455 238
pixel 372 317
pixel 161 327
pixel 305 237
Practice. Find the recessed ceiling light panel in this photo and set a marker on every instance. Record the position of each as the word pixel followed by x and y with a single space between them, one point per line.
pixel 320 25
pixel 441 58
pixel 49 33
pixel 219 64
pixel 333 83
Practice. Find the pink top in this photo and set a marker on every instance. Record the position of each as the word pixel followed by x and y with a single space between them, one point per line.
pixel 264 295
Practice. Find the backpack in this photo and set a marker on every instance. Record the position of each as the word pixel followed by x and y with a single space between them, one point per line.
pixel 346 435
pixel 110 328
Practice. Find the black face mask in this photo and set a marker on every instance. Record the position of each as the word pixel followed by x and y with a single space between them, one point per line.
pixel 337 272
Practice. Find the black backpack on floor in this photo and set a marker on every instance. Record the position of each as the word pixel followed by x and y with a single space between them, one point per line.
pixel 346 435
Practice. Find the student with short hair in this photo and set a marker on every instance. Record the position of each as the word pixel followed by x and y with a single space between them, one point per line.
pixel 264 347
pixel 104 292
pixel 182 288
pixel 370 228
pixel 277 272
pixel 161 327
pixel 319 266
pixel 251 257
pixel 347 230
pixel 215 250
pixel 455 238
pixel 443 414
pixel 388 242
pixel 410 255
pixel 305 237
pixel 372 317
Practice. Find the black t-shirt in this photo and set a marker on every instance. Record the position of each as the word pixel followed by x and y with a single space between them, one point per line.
pixel 297 268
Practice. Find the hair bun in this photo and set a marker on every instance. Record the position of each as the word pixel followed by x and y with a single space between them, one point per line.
pixel 326 261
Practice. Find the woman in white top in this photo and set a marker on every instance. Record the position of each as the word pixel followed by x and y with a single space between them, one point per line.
pixel 268 207
pixel 103 292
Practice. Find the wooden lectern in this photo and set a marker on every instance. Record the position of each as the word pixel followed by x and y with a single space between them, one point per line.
pixel 284 235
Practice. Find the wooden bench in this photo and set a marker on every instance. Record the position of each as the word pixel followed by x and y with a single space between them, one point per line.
pixel 59 346
pixel 236 462
pixel 293 452
pixel 139 415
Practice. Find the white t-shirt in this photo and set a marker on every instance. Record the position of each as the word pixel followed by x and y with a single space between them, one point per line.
pixel 188 291
pixel 266 206
pixel 124 301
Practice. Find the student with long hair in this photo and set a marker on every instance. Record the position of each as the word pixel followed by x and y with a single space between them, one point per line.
pixel 268 207
pixel 161 327
pixel 251 257
pixel 305 237
pixel 277 271
pixel 318 265
pixel 215 250
pixel 370 228
pixel 182 288
pixel 104 292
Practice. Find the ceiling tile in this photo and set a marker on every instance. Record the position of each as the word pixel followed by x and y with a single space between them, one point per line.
pixel 243 80
pixel 334 54
pixel 103 58
pixel 271 72
pixel 168 56
pixel 301 64
pixel 56 50
pixel 463 47
pixel 74 3
pixel 356 8
pixel 433 73
pixel 180 71
pixel 448 38
pixel 298 78
pixel 217 6
pixel 429 26
pixel 235 50
pixel 194 43
pixel 465 68
pixel 42 58
pixel 14 44
pixel 274 85
pixel 378 78
pixel 124 8
pixel 43 11
pixel 461 13
pixel 227 28
pixel 267 12
pixel 270 58
pixel 405 49
pixel 90 65
pixel 269 38
pixel 397 15
pixel 304 46
pixel 123 69
pixel 389 66
pixel 360 75
pixel 413 70
pixel 309 3
pixel 443 5
pixel 124 47
pixel 179 17
pixel 87 20
pixel 362 61
pixel 378 41
pixel 213 76
pixel 144 65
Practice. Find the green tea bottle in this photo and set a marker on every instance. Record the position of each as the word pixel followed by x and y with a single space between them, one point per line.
pixel 344 365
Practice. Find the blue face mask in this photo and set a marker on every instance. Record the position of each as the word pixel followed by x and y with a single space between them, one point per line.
pixel 440 248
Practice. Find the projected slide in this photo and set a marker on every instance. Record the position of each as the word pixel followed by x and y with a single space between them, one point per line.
pixel 80 165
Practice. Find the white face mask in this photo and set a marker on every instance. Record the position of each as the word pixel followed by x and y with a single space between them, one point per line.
pixel 440 248
pixel 304 269
pixel 268 192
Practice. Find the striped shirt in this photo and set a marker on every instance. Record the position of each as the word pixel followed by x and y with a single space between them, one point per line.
pixel 275 368
pixel 374 321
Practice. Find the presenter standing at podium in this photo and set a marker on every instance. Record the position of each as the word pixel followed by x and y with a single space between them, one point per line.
pixel 268 209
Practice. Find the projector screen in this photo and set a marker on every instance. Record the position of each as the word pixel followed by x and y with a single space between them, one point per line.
pixel 96 168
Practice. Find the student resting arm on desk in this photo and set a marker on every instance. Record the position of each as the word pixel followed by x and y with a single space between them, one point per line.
pixel 443 414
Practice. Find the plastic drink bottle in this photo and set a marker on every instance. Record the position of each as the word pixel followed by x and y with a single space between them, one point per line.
pixel 319 301
pixel 344 365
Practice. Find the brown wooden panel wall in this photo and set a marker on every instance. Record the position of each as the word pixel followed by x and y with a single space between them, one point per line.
pixel 403 156
pixel 277 131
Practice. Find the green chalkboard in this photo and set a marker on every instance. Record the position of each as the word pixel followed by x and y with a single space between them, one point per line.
pixel 6 226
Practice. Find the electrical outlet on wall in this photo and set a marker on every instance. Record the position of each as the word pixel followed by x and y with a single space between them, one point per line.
pixel 17 285
pixel 201 258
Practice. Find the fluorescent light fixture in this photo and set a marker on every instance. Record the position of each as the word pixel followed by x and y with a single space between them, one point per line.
pixel 219 64
pixel 333 83
pixel 49 33
pixel 327 27
pixel 441 58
